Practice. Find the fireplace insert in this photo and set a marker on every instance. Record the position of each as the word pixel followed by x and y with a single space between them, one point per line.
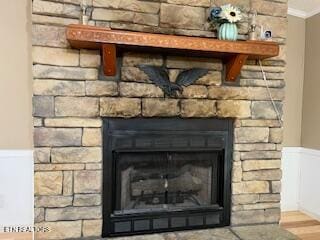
pixel 164 174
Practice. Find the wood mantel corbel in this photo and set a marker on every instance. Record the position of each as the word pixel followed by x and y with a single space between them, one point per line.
pixel 234 54
pixel 234 66
pixel 109 59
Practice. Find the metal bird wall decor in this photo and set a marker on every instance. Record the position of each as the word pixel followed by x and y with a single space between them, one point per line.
pixel 160 77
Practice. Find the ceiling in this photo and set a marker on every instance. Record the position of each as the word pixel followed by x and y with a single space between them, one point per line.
pixel 304 8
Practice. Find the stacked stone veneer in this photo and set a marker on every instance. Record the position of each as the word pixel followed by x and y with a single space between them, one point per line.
pixel 70 97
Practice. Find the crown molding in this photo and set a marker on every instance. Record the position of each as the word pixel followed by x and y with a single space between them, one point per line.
pixel 297 13
pixel 303 14
pixel 313 12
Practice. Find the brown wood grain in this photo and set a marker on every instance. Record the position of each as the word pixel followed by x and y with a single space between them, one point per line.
pixel 91 37
pixel 301 225
pixel 234 66
pixel 109 59
pixel 16 236
pixel 79 34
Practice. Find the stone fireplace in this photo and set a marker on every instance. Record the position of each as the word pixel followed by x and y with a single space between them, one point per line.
pixel 73 104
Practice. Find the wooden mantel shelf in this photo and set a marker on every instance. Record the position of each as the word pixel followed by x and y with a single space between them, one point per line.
pixel 234 54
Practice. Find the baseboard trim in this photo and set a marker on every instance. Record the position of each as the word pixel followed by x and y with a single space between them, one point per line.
pixel 313 215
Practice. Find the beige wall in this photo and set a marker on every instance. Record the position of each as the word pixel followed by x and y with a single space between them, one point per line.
pixel 294 81
pixel 15 75
pixel 15 80
pixel 311 93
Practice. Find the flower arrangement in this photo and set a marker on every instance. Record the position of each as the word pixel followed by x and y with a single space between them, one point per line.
pixel 224 19
pixel 225 14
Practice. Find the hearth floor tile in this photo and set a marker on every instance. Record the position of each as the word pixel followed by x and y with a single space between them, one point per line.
pixel 141 237
pixel 258 232
pixel 209 234
pixel 263 232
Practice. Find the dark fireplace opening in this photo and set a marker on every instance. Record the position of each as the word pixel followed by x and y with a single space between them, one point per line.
pixel 166 174
pixel 158 181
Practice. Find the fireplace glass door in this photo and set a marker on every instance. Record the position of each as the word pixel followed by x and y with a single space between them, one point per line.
pixel 166 181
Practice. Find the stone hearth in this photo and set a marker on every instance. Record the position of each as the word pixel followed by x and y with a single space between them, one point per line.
pixel 261 232
pixel 71 96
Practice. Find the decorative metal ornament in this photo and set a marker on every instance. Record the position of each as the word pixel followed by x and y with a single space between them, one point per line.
pixel 160 77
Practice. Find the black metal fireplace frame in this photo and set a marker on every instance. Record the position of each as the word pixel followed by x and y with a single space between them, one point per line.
pixel 222 128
